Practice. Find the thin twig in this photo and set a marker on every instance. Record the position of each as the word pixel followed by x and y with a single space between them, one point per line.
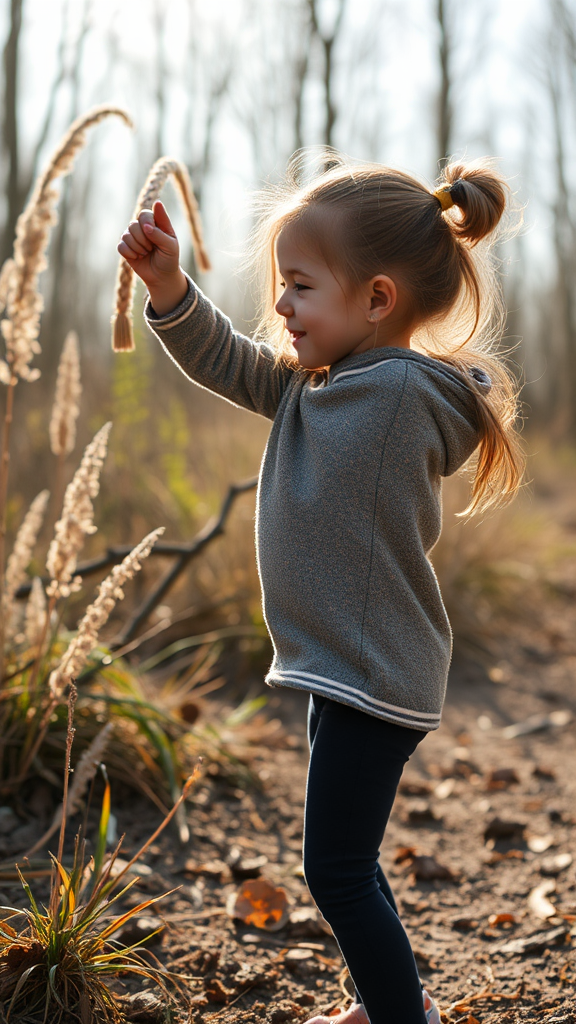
pixel 213 528
pixel 183 549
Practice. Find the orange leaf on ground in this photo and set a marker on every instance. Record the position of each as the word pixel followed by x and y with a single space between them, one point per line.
pixel 259 903
pixel 404 853
pixel 496 919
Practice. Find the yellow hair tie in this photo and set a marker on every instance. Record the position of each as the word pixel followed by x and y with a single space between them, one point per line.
pixel 444 198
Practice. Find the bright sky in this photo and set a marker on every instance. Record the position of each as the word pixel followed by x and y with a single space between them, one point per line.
pixel 385 96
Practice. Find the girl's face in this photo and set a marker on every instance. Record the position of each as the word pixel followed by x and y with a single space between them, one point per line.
pixel 324 318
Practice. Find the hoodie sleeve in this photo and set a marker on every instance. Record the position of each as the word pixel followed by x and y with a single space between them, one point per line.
pixel 202 342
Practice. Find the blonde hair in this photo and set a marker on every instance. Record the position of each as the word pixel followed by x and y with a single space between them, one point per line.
pixel 382 220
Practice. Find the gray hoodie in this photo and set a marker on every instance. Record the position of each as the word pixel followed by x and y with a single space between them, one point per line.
pixel 348 508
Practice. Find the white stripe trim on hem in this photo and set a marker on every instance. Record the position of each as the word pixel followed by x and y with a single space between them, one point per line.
pixel 351 700
pixel 159 325
pixel 337 687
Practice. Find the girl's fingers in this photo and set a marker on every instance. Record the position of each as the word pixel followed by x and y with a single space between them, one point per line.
pixel 127 252
pixel 162 219
pixel 139 236
pixel 134 244
pixel 166 243
pixel 153 225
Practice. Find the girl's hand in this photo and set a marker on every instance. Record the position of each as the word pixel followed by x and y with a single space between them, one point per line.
pixel 150 246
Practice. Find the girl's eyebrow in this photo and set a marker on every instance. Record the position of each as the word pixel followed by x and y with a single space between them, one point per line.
pixel 301 273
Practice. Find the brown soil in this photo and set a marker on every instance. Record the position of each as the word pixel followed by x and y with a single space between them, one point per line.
pixel 445 810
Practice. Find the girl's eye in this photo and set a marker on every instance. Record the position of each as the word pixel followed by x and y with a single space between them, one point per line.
pixel 300 287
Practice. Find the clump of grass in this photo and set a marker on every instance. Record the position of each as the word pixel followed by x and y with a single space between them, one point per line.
pixel 57 967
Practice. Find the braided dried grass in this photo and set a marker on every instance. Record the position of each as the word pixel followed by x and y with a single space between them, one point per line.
pixel 164 168
pixel 19 279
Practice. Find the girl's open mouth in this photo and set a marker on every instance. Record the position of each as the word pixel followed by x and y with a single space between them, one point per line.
pixel 296 335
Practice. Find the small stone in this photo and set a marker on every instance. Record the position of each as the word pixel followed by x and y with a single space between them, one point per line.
pixel 499 828
pixel 539 844
pixel 143 1008
pixel 249 867
pixel 420 812
pixel 553 866
pixel 463 924
pixel 306 999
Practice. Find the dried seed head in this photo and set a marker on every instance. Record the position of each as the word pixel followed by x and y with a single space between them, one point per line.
pixel 24 544
pixel 77 517
pixel 20 559
pixel 165 167
pixel 66 401
pixel 109 591
pixel 23 301
pixel 35 620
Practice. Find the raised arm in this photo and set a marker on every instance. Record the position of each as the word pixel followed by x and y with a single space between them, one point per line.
pixel 196 335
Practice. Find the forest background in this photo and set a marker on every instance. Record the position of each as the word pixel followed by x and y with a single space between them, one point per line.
pixel 233 90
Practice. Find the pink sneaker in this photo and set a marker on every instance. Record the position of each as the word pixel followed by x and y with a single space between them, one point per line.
pixel 430 1009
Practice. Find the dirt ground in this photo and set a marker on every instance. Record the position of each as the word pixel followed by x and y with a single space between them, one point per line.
pixel 493 815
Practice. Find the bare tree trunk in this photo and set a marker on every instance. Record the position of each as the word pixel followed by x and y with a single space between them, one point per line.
pixel 300 74
pixel 10 138
pixel 444 123
pixel 564 243
pixel 63 263
pixel 327 41
pixel 160 12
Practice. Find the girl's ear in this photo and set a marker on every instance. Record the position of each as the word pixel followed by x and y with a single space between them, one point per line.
pixel 382 295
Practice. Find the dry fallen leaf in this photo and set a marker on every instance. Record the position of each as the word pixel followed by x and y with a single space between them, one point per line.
pixel 501 778
pixel 404 853
pixel 539 905
pixel 498 919
pixel 257 902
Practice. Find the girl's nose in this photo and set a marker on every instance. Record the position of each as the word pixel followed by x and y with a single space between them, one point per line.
pixel 283 306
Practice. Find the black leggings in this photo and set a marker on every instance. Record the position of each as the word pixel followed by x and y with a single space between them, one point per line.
pixel 356 761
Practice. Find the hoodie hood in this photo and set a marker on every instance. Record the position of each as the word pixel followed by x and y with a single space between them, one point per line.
pixel 450 395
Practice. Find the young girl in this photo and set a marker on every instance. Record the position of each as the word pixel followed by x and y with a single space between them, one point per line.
pixel 375 359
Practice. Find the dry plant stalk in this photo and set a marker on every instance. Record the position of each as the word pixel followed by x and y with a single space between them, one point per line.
pixel 122 336
pixel 84 772
pixel 77 517
pixel 67 398
pixel 19 281
pixel 109 591
pixel 21 556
